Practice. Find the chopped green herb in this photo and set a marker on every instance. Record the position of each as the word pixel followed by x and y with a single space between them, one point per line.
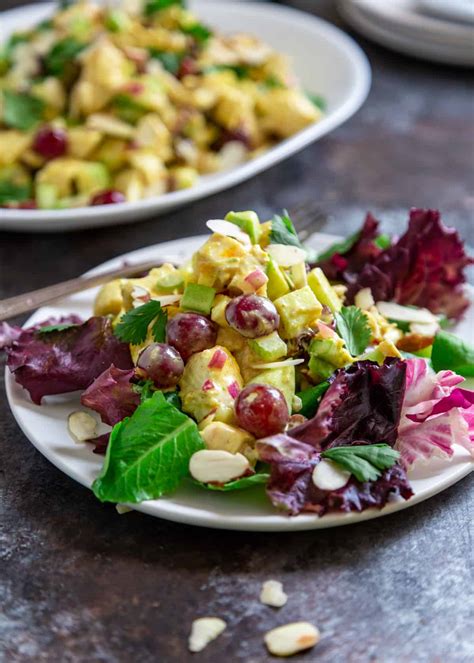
pixel 240 70
pixel 170 61
pixel 61 54
pixel 153 6
pixel 317 101
pixel 365 462
pixel 452 353
pixel 383 241
pixel 353 327
pixel 272 82
pixel 21 111
pixel 311 398
pixel 148 453
pixel 127 109
pixel 133 325
pixel 197 31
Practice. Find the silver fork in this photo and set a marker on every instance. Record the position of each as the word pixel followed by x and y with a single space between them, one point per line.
pixel 308 218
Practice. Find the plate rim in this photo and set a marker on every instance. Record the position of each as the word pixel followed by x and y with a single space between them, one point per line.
pixel 163 508
pixel 105 215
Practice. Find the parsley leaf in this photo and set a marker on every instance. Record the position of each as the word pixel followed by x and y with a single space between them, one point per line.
pixel 148 454
pixel 61 55
pixel 353 327
pixel 283 231
pixel 365 462
pixel 21 111
pixel 133 326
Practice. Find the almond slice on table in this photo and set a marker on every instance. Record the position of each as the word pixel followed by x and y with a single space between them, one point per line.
pixel 291 638
pixel 272 594
pixel 203 631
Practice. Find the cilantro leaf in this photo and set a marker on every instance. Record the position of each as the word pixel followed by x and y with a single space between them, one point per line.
pixel 310 399
pixel 148 454
pixel 61 54
pixel 21 111
pixel 133 326
pixel 47 329
pixel 238 484
pixel 451 352
pixel 283 231
pixel 365 462
pixel 353 327
pixel 12 192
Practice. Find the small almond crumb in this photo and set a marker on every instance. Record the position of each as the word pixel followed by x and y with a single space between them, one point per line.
pixel 291 638
pixel 272 594
pixel 203 631
pixel 122 508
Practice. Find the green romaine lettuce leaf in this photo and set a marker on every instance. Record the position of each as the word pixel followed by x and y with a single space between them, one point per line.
pixel 148 453
pixel 238 484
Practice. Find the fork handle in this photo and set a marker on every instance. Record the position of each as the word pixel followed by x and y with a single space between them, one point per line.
pixel 29 301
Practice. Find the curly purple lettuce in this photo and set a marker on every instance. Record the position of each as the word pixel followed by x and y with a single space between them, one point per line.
pixel 291 489
pixel 425 267
pixel 362 406
pixel 58 362
pixel 112 395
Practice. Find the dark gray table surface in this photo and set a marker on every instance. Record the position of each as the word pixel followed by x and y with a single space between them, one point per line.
pixel 81 583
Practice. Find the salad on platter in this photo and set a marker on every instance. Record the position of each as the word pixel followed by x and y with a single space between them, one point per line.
pixel 323 379
pixel 120 102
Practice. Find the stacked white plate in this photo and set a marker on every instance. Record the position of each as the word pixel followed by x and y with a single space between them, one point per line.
pixel 438 30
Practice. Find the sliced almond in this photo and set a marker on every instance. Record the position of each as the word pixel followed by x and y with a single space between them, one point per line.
pixel 217 466
pixel 203 631
pixel 291 638
pixel 272 594
pixel 228 229
pixel 81 426
pixel 329 476
pixel 394 311
pixel 286 255
pixel 279 364
pixel 364 299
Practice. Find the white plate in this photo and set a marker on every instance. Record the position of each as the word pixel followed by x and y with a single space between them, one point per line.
pixel 46 427
pixel 401 26
pixel 325 60
pixel 454 10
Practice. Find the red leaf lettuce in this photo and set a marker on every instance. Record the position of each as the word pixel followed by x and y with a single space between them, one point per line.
pixel 112 395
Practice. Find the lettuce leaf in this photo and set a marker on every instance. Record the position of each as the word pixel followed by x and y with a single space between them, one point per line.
pixel 250 481
pixel 450 351
pixel 148 454
pixel 362 406
pixel 425 267
pixel 62 361
pixel 290 487
pixel 436 414
pixel 112 395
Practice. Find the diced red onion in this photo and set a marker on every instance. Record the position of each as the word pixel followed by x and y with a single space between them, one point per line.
pixel 208 385
pixel 218 359
pixel 233 389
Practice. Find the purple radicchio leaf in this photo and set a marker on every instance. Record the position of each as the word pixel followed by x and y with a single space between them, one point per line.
pixel 63 361
pixel 362 406
pixel 112 395
pixel 425 267
pixel 291 489
pixel 9 333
